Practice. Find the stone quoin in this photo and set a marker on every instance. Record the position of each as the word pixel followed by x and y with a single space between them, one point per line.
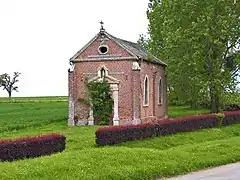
pixel 137 79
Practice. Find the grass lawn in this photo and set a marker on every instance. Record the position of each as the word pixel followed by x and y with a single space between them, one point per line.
pixel 176 111
pixel 147 159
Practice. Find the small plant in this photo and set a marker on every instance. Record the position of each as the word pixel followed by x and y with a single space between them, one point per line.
pixel 75 119
pixel 220 117
pixel 150 57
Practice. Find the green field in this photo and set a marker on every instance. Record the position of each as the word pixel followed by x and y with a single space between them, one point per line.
pixel 14 116
pixel 147 159
pixel 40 99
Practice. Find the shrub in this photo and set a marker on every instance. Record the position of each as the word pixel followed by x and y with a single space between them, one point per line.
pixel 117 134
pixel 220 117
pixel 184 124
pixel 231 118
pixel 28 147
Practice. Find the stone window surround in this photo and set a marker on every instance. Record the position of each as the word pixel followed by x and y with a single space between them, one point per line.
pixel 144 90
pixel 102 68
pixel 99 51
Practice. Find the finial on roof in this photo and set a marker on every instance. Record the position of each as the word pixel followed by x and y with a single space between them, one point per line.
pixel 102 29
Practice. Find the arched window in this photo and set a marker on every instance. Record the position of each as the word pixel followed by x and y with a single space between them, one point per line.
pixel 160 91
pixel 146 91
pixel 103 73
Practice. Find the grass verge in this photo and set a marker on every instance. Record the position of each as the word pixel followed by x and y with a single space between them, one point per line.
pixel 147 159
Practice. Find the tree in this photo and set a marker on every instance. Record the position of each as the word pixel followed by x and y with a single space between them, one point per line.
pixel 8 84
pixel 196 39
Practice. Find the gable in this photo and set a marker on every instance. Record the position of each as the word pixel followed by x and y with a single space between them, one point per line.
pixel 102 47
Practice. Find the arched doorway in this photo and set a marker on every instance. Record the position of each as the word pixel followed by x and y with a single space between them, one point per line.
pixel 114 86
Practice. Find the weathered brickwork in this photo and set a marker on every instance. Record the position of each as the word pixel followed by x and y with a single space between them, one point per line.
pixel 154 109
pixel 89 70
pixel 119 63
pixel 92 50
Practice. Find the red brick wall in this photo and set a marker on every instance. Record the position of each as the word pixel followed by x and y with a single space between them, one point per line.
pixel 84 69
pixel 148 112
pixel 114 49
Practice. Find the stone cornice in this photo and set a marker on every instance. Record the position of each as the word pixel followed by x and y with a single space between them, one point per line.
pixel 105 59
pixel 104 55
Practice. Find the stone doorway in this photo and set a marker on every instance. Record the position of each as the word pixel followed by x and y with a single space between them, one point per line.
pixel 114 86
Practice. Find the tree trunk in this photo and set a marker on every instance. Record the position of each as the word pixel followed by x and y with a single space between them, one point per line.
pixel 9 94
pixel 215 105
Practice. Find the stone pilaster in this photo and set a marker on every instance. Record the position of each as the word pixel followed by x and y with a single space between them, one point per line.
pixel 70 99
pixel 115 105
pixel 91 118
pixel 136 92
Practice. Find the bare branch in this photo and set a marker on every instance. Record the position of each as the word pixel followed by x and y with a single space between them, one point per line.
pixel 8 84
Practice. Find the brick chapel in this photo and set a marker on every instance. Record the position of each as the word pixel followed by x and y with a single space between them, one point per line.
pixel 137 80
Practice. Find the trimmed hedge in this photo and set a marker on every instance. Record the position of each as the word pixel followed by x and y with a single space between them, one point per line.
pixel 117 134
pixel 32 146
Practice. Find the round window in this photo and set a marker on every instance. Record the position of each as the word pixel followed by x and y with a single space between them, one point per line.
pixel 103 49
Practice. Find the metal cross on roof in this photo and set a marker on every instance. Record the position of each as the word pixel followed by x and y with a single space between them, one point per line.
pixel 101 22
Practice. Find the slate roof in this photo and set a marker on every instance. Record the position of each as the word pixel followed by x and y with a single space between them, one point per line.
pixel 138 50
pixel 133 48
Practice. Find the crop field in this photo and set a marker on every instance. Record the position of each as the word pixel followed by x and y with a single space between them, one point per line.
pixel 34 99
pixel 15 116
pixel 146 159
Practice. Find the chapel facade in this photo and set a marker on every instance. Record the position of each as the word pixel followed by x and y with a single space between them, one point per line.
pixel 138 81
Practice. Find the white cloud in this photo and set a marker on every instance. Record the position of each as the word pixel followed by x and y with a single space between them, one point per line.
pixel 37 38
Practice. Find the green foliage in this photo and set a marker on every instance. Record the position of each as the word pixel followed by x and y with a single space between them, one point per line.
pixel 199 41
pixel 162 157
pixel 149 57
pixel 100 100
pixel 231 98
pixel 220 117
pixel 143 41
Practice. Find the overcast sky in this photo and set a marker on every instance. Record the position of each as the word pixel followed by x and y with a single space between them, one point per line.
pixel 38 37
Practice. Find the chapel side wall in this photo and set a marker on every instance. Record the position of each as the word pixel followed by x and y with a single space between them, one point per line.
pixel 154 110
pixel 121 70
